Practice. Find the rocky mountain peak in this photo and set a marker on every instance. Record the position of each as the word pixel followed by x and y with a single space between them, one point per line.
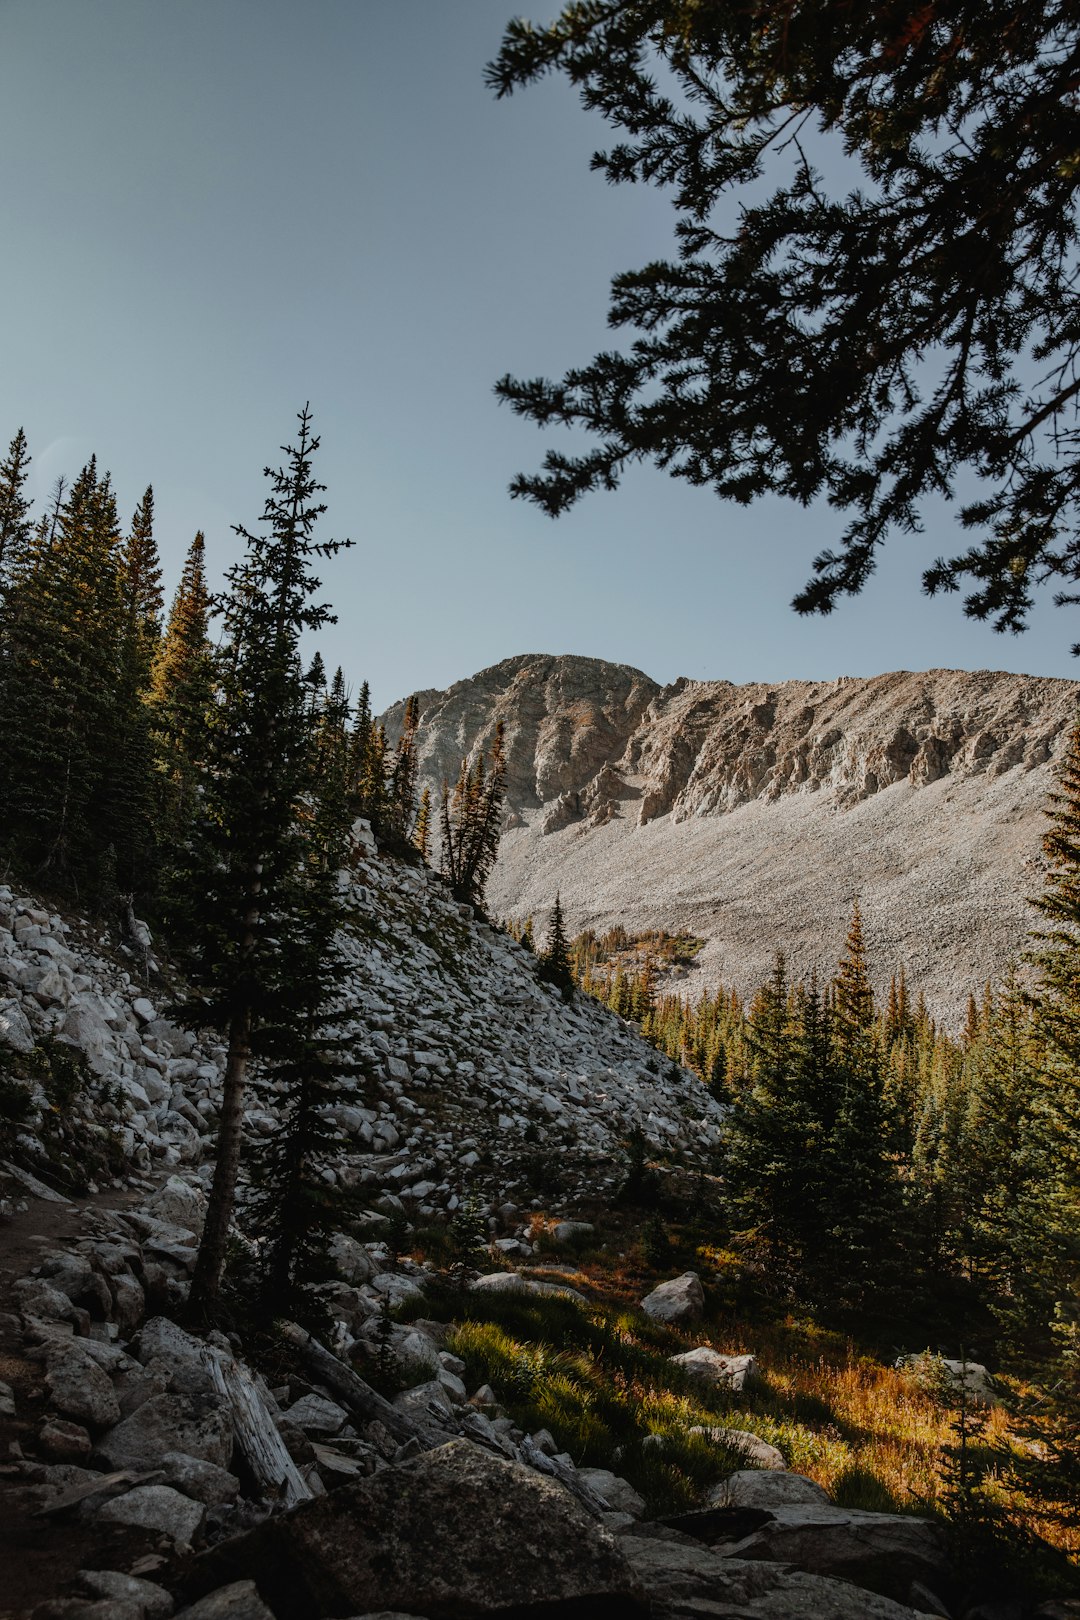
pixel 751 815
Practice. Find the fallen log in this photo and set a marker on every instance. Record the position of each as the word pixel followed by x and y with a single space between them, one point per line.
pixel 256 1432
pixel 366 1404
pixel 357 1397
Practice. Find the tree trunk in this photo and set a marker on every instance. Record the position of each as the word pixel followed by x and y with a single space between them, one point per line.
pixel 206 1282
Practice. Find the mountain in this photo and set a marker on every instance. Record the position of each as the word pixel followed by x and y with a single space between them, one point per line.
pixel 751 816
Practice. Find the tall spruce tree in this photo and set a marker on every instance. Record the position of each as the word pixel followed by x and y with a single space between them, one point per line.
pixel 15 506
pixel 864 1205
pixel 306 1047
pixel 471 822
pixel 555 959
pixel 181 693
pixel 250 844
pixel 129 788
pixel 61 634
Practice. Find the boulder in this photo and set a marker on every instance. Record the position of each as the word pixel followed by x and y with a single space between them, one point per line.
pixel 618 1493
pixel 680 1301
pixel 765 1488
pixel 971 1377
pixel 756 1450
pixel 202 1481
pixel 180 1204
pixel 155 1602
pixel 683 1577
pixel 240 1601
pixel 191 1424
pixel 15 1030
pixel 74 1276
pixel 883 1552
pixel 456 1531
pixel 572 1232
pixel 156 1507
pixel 64 1442
pixel 511 1282
pixel 78 1389
pixel 708 1365
pixel 184 1357
pixel 316 1415
pixel 352 1260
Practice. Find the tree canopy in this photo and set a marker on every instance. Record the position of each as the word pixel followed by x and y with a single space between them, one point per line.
pixel 914 335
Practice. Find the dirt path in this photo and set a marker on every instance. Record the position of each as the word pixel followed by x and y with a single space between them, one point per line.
pixel 29 1233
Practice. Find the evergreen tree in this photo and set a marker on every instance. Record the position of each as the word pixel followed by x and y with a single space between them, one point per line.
pixel 250 844
pixel 61 635
pixel 15 525
pixel 422 830
pixel 181 695
pixel 864 1211
pixel 306 1046
pixel 402 784
pixel 772 1142
pixel 838 343
pixel 555 962
pixel 130 784
pixel 471 822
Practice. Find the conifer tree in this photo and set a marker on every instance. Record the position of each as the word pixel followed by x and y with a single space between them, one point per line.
pixel 258 776
pixel 471 822
pixel 402 784
pixel 181 693
pixel 130 781
pixel 555 962
pixel 62 623
pixel 864 1213
pixel 15 525
pixel 306 1046
pixel 422 831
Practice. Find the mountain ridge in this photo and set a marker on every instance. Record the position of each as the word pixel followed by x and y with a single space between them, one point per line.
pixel 752 814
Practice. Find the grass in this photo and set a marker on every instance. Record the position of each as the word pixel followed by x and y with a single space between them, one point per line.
pixel 599 1377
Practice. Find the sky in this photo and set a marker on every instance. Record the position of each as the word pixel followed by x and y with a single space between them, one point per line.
pixel 220 209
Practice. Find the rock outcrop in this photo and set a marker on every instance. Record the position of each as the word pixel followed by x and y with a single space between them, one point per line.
pixel 751 815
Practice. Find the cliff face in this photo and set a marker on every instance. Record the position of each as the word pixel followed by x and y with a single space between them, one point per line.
pixel 751 815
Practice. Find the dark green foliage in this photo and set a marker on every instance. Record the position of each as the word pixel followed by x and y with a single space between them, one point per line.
pixel 641 1188
pixel 871 341
pixel 471 822
pixel 128 806
pixel 249 853
pixel 554 960
pixel 61 634
pixel 401 787
pixel 15 525
pixel 422 831
pixel 180 701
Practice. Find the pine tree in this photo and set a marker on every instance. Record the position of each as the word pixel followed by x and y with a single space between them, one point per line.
pixel 61 635
pixel 306 1045
pixel 864 1206
pixel 422 830
pixel 402 784
pixel 555 961
pixel 130 783
pixel 471 822
pixel 181 694
pixel 255 787
pixel 15 525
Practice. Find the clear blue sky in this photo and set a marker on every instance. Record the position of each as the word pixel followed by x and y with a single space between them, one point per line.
pixel 217 209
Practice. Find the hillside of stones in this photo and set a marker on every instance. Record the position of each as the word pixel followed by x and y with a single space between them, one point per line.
pixel 146 1472
pixel 751 816
pixel 480 1081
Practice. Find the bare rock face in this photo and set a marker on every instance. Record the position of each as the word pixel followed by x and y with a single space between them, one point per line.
pixel 564 718
pixel 452 1534
pixel 751 816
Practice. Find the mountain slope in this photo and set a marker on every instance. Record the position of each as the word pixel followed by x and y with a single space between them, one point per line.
pixel 753 815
